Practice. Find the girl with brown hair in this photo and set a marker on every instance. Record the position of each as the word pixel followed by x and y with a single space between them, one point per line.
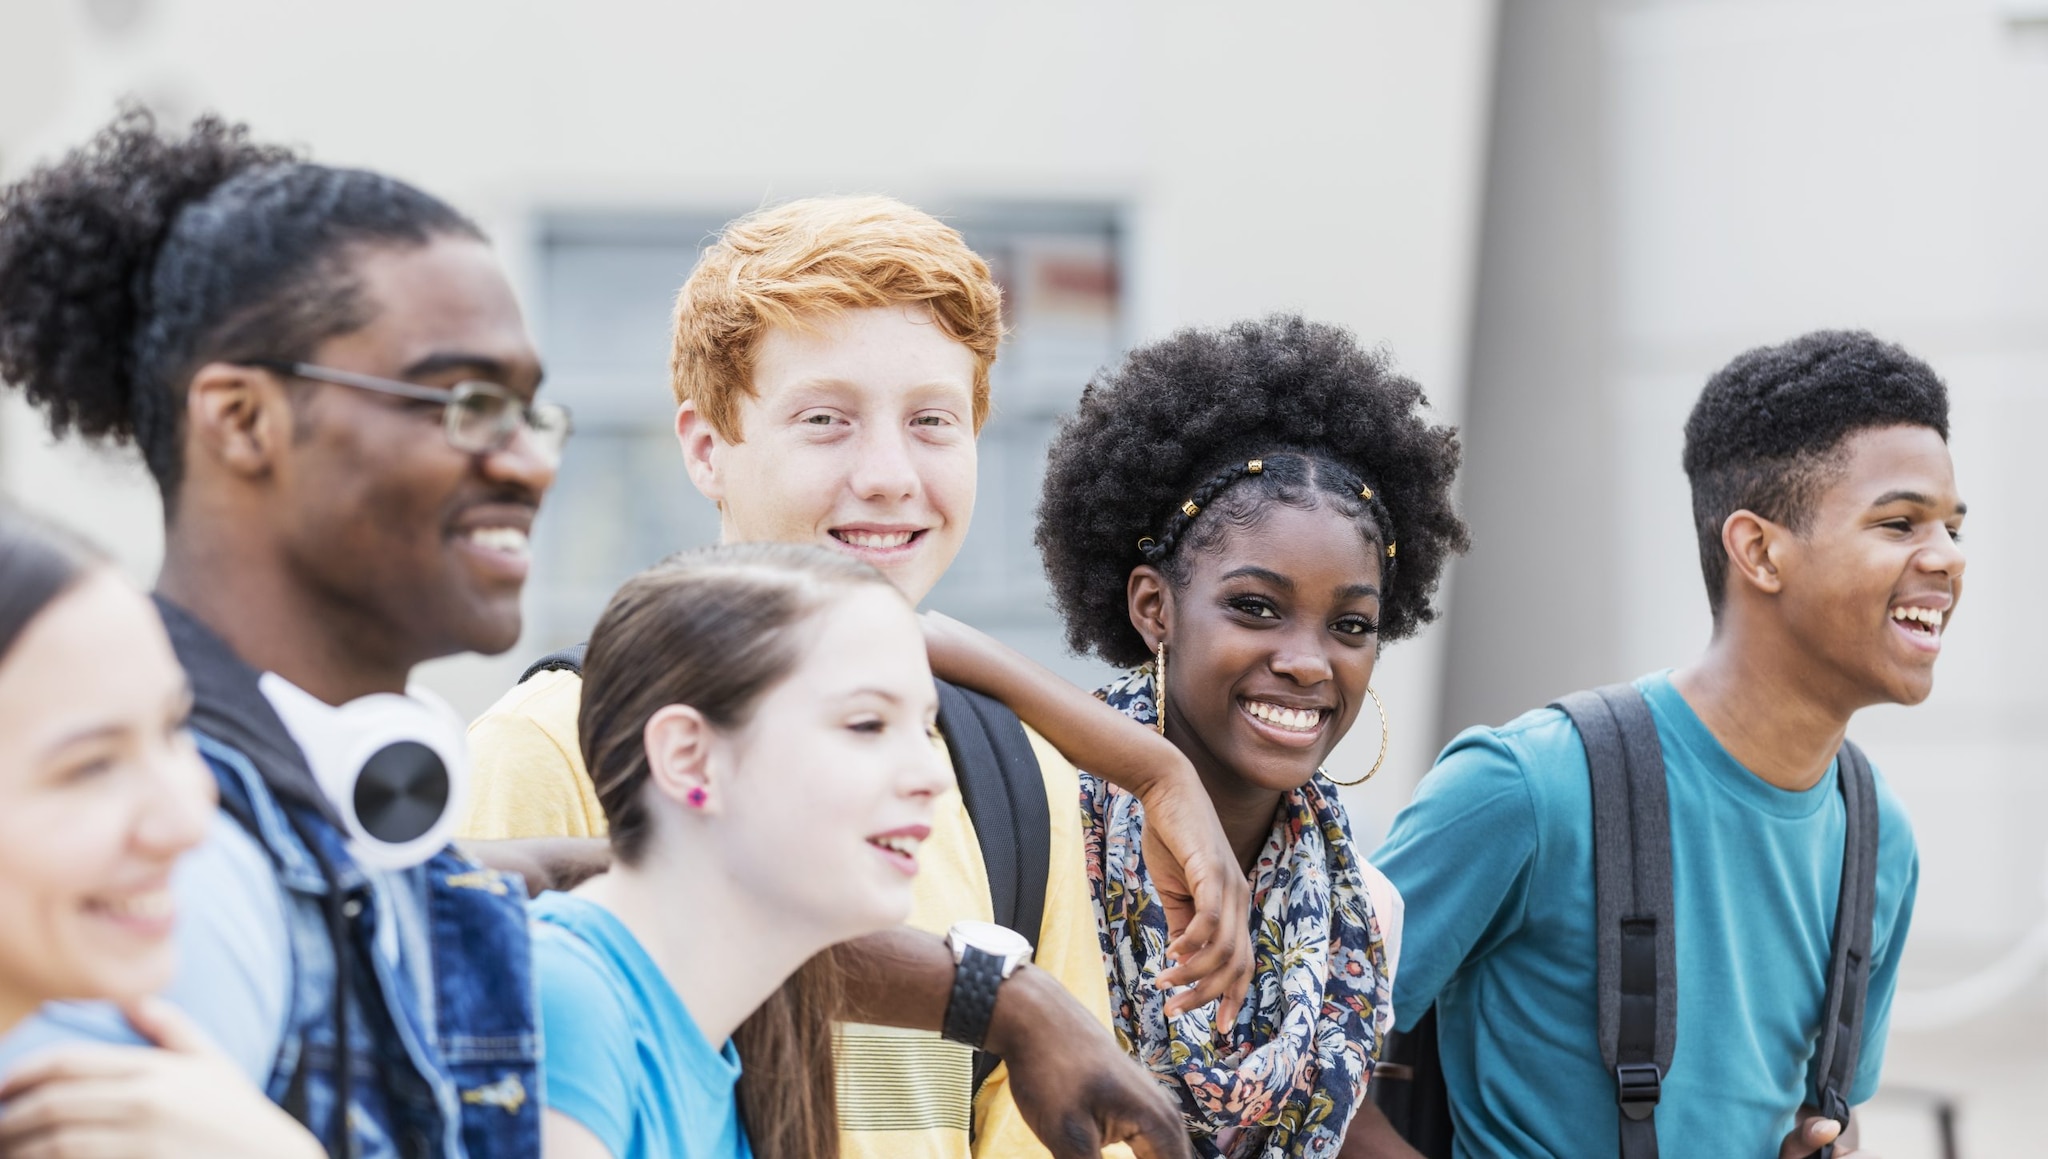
pixel 757 722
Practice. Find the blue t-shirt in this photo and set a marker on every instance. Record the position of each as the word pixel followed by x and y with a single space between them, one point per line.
pixel 623 1056
pixel 1494 858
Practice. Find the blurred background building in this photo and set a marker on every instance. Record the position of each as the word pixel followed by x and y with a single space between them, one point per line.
pixel 1559 215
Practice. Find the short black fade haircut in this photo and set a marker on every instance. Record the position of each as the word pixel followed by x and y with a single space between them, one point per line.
pixel 1179 420
pixel 1766 434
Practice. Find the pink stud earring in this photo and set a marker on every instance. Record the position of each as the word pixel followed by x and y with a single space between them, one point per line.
pixel 697 797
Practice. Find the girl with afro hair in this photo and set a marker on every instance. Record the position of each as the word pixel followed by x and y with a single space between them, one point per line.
pixel 1241 517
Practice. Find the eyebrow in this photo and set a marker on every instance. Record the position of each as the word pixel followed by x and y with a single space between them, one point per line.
pixel 884 693
pixel 1253 571
pixel 1914 497
pixel 1357 592
pixel 481 365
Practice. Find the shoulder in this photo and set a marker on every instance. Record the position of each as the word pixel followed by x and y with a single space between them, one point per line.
pixel 581 985
pixel 1530 759
pixel 546 703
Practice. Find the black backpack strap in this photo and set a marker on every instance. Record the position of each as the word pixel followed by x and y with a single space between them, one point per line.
pixel 1636 930
pixel 1841 1032
pixel 1004 792
pixel 569 659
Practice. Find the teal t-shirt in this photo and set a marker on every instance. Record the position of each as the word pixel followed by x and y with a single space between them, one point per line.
pixel 1494 859
pixel 623 1056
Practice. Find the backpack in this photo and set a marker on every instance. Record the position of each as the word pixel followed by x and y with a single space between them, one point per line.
pixel 1638 987
pixel 1001 786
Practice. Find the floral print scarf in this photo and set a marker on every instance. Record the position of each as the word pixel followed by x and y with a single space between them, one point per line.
pixel 1293 1069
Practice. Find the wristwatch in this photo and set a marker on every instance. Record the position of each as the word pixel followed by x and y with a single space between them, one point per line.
pixel 984 954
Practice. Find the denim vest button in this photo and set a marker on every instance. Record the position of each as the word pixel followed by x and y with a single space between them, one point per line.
pixel 352 908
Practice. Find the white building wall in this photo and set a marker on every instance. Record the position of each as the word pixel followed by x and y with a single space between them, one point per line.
pixel 1319 157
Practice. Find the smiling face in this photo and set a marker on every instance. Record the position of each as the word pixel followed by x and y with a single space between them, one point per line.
pixel 100 791
pixel 859 437
pixel 1871 585
pixel 419 548
pixel 832 778
pixel 1270 645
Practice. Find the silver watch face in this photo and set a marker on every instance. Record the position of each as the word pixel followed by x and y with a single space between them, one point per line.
pixel 990 938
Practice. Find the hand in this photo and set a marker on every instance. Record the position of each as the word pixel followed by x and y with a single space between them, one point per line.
pixel 1072 1083
pixel 1812 1131
pixel 1205 895
pixel 181 1100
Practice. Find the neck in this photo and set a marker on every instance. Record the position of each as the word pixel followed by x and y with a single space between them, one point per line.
pixel 1245 810
pixel 721 950
pixel 1763 702
pixel 276 623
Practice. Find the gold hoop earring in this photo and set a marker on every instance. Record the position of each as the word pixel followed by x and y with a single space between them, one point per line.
pixel 1386 735
pixel 1159 689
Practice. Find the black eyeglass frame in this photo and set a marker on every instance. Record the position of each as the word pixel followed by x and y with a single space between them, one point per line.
pixel 451 399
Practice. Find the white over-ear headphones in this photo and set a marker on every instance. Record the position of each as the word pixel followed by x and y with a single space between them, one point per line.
pixel 395 767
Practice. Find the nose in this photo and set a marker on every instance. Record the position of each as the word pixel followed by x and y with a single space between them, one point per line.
pixel 521 462
pixel 926 774
pixel 1943 555
pixel 883 469
pixel 175 816
pixel 1303 660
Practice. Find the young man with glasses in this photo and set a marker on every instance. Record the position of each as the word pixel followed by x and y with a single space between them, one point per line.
pixel 329 378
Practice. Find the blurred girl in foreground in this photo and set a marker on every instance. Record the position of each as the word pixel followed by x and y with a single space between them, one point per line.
pixel 101 791
pixel 757 722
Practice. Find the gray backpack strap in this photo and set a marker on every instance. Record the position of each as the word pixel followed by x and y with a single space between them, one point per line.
pixel 1841 1032
pixel 1004 792
pixel 1634 923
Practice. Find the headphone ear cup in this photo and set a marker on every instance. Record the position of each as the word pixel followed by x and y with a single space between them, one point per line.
pixel 395 768
pixel 402 792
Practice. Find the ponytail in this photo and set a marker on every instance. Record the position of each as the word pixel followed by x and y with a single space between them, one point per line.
pixel 140 257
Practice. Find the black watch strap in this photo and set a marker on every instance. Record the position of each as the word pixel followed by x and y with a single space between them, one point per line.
pixel 973 1002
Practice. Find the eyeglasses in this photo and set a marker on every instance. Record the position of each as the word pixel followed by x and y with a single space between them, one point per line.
pixel 477 417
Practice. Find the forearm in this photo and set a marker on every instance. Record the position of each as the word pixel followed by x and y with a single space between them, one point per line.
pixel 1091 734
pixel 904 977
pixel 545 862
pixel 1371 1136
pixel 900 977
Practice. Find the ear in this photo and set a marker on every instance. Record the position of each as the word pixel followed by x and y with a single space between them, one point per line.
pixel 1755 547
pixel 700 445
pixel 1150 600
pixel 680 756
pixel 239 417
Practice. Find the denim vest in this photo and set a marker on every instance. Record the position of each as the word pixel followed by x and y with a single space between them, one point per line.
pixel 443 1046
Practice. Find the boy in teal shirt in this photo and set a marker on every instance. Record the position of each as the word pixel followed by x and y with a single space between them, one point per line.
pixel 1828 522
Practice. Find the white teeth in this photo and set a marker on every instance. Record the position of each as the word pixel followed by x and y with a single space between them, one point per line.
pixel 1280 716
pixel 875 538
pixel 907 846
pixel 1931 617
pixel 510 540
pixel 152 906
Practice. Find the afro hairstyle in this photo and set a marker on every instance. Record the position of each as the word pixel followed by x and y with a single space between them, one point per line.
pixel 1767 433
pixel 1178 421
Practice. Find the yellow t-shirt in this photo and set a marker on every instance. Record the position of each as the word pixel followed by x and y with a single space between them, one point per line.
pixel 903 1094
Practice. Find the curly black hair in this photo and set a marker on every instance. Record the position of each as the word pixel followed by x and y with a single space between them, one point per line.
pixel 1179 421
pixel 140 257
pixel 1766 434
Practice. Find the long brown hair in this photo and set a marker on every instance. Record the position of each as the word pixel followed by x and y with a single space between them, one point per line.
pixel 714 629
